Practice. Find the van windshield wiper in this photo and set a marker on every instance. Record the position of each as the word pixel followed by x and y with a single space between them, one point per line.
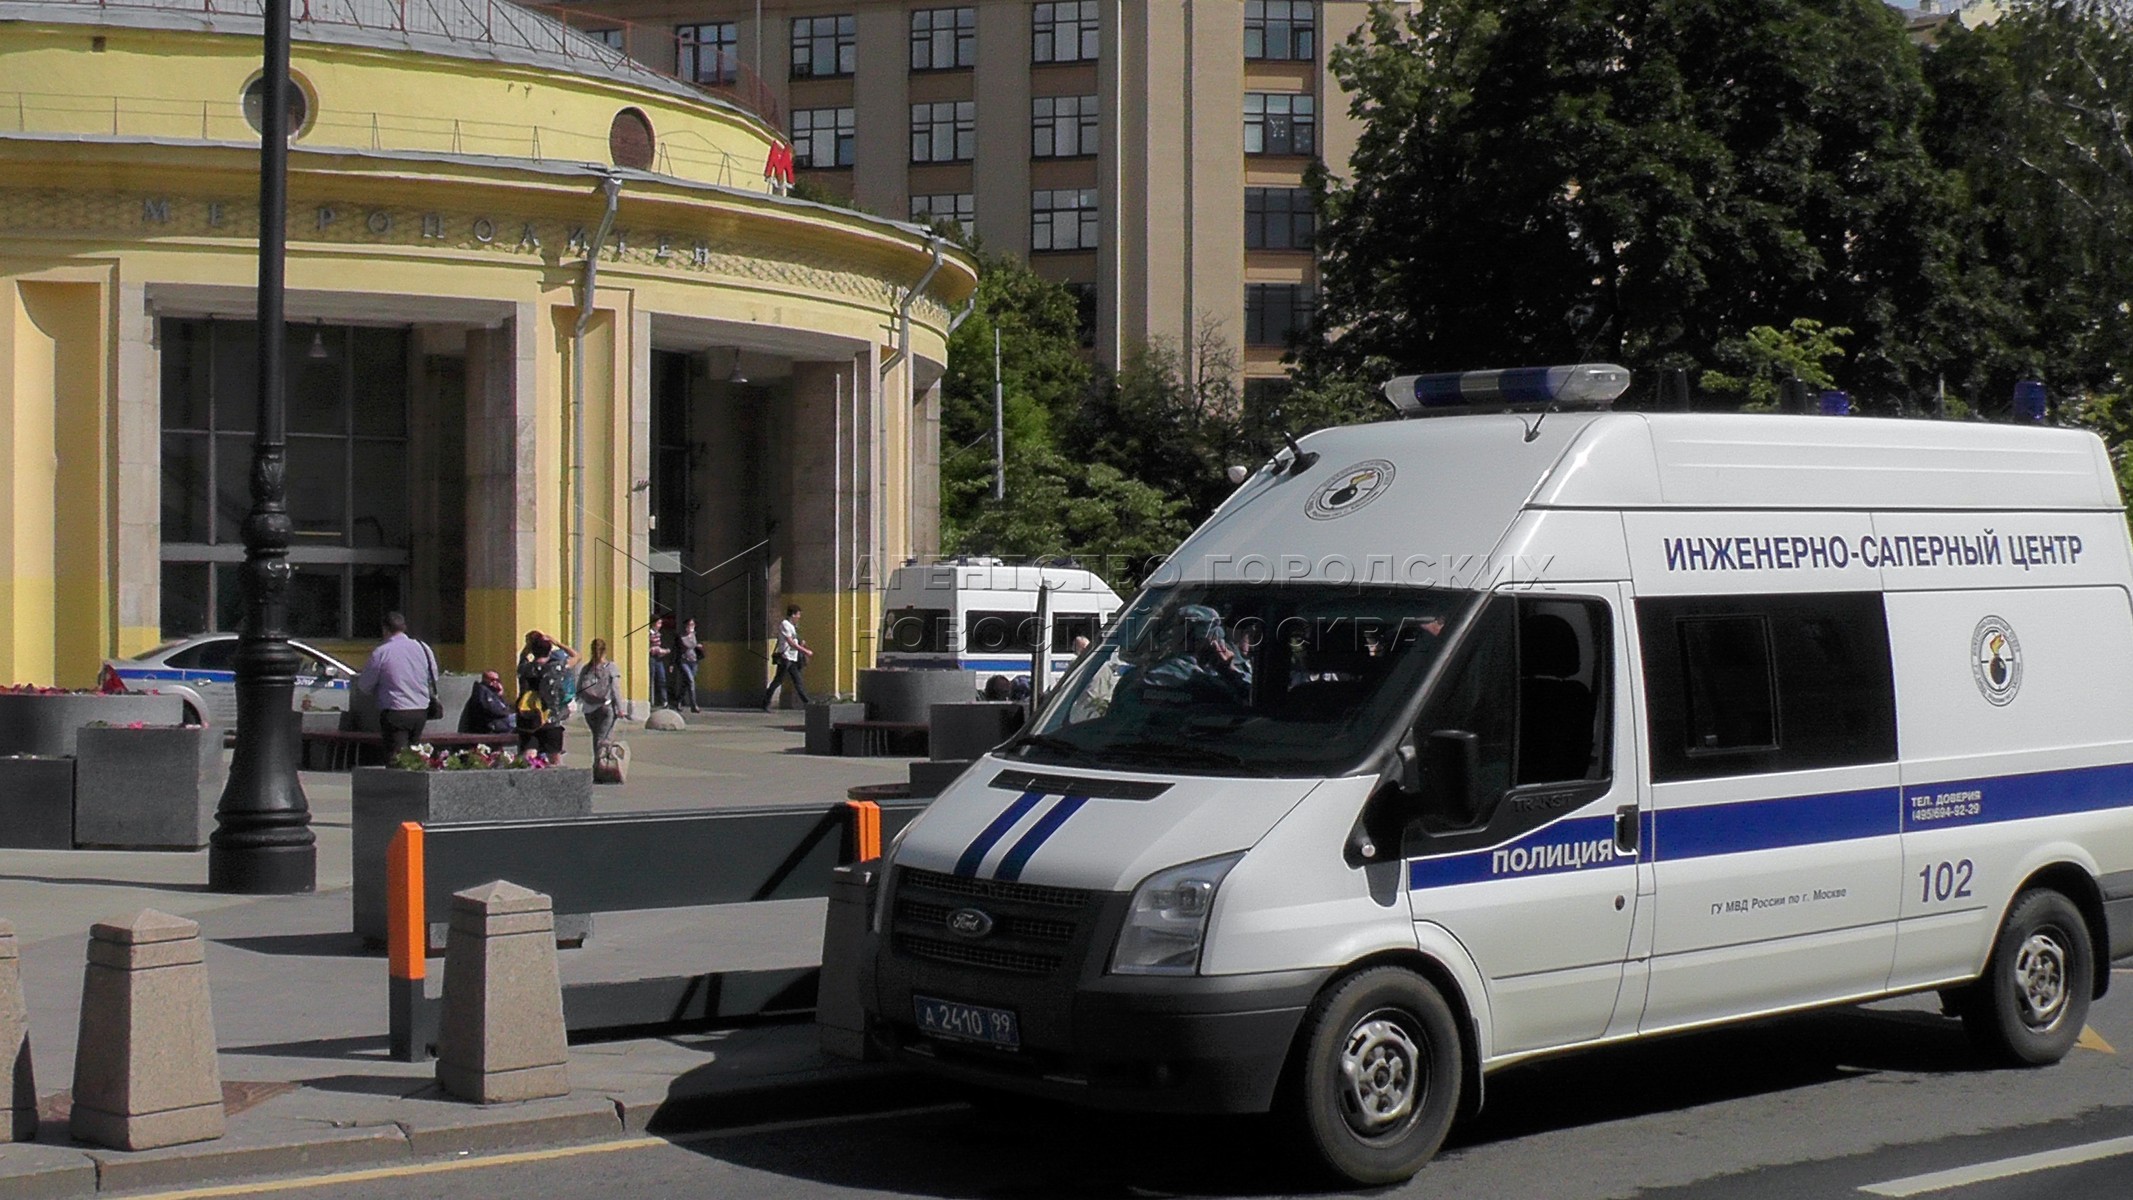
pixel 1046 741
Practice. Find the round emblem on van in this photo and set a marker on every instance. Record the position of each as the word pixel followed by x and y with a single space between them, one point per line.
pixel 1350 489
pixel 969 922
pixel 1996 660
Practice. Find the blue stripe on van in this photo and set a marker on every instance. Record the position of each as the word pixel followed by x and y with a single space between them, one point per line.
pixel 974 854
pixel 1570 845
pixel 1789 821
pixel 1027 846
pixel 1742 826
pixel 2017 797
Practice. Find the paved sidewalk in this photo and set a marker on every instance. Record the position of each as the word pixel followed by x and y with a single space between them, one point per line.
pixel 300 1002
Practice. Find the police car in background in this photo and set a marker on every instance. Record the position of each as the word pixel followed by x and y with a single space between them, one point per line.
pixel 202 670
pixel 1449 743
pixel 979 615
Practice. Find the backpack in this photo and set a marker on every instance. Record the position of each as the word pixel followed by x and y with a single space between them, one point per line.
pixel 556 685
pixel 532 714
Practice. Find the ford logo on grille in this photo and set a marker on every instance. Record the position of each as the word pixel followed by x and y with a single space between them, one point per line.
pixel 969 922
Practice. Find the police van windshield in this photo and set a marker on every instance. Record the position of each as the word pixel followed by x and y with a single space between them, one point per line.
pixel 1242 678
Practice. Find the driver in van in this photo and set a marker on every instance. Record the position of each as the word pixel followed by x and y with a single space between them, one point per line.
pixel 1200 659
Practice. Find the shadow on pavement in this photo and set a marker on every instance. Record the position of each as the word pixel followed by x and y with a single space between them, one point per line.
pixel 1004 1147
pixel 305 945
pixel 83 881
pixel 396 1086
pixel 369 1047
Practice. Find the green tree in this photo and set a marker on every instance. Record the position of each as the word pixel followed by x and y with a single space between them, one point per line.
pixel 2034 116
pixel 1767 357
pixel 1552 180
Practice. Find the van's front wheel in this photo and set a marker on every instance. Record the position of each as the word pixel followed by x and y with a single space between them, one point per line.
pixel 1376 1079
pixel 2033 1001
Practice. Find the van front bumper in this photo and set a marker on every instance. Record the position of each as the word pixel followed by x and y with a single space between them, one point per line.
pixel 1148 1043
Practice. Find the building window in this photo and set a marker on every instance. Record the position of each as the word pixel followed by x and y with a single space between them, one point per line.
pixel 1063 220
pixel 1276 314
pixel 824 47
pixel 1084 311
pixel 1281 29
pixel 1280 123
pixel 1062 126
pixel 961 208
pixel 1279 219
pixel 347 473
pixel 706 53
pixel 943 39
pixel 1063 31
pixel 822 137
pixel 944 132
pixel 610 38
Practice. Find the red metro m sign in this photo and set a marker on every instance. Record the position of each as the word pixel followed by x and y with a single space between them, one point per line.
pixel 778 167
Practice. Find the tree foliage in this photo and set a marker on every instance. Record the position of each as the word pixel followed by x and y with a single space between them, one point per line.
pixel 1639 180
pixel 2034 120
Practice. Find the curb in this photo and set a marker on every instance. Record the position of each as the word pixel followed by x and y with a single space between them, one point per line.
pixel 314 1132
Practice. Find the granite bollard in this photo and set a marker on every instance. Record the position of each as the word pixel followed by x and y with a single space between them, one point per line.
pixel 502 1038
pixel 145 1073
pixel 21 1081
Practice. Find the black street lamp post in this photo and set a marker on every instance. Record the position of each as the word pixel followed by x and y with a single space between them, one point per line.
pixel 263 844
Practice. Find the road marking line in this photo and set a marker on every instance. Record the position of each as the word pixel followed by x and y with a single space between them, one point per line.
pixel 2092 1040
pixel 517 1158
pixel 2004 1168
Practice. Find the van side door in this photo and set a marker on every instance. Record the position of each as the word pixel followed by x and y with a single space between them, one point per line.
pixel 1537 876
pixel 1776 813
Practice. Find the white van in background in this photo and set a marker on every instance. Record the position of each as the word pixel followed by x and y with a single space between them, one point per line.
pixel 1449 743
pixel 979 615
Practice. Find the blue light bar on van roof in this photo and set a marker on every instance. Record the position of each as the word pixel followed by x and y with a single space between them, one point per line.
pixel 1585 385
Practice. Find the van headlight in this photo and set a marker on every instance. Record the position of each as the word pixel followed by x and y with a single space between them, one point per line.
pixel 1167 922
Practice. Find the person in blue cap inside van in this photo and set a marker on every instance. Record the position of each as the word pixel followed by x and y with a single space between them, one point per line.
pixel 1197 658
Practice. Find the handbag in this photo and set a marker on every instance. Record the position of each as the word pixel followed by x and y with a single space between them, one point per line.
pixel 611 762
pixel 435 711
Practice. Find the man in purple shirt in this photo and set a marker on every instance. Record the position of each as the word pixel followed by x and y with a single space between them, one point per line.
pixel 402 676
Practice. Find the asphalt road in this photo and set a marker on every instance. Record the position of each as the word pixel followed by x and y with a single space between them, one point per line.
pixel 1854 1103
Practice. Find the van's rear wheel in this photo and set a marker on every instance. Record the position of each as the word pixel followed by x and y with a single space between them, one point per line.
pixel 1376 1078
pixel 2031 1004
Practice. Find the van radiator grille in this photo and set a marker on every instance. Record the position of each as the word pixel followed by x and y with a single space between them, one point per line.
pixel 993 889
pixel 1035 929
pixel 972 954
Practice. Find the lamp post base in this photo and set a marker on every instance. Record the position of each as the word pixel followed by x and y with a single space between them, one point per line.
pixel 262 870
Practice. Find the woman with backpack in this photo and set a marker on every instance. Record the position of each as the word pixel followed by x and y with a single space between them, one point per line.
pixel 598 684
pixel 544 686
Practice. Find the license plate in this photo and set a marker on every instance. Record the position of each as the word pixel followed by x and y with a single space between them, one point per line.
pixel 968 1022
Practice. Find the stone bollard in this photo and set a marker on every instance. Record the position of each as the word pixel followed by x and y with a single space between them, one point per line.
pixel 502 1033
pixel 16 1077
pixel 145 1073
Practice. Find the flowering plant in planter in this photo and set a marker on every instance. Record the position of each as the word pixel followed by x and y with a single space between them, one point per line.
pixel 425 757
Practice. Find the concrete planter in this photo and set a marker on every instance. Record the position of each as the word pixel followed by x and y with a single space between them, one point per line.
pixel 153 788
pixel 384 797
pixel 31 723
pixel 960 732
pixel 822 718
pixel 36 805
pixel 908 696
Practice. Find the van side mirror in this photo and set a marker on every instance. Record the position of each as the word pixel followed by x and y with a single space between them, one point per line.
pixel 1451 771
pixel 1407 767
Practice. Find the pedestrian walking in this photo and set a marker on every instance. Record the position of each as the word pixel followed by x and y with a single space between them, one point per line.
pixel 402 677
pixel 792 655
pixel 687 653
pixel 598 685
pixel 660 652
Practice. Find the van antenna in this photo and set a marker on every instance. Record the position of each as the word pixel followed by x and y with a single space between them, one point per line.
pixel 1300 459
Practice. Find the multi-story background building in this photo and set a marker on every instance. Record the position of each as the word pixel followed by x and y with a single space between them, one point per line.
pixel 1149 154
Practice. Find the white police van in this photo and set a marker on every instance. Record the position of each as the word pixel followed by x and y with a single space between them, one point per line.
pixel 979 615
pixel 1454 742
